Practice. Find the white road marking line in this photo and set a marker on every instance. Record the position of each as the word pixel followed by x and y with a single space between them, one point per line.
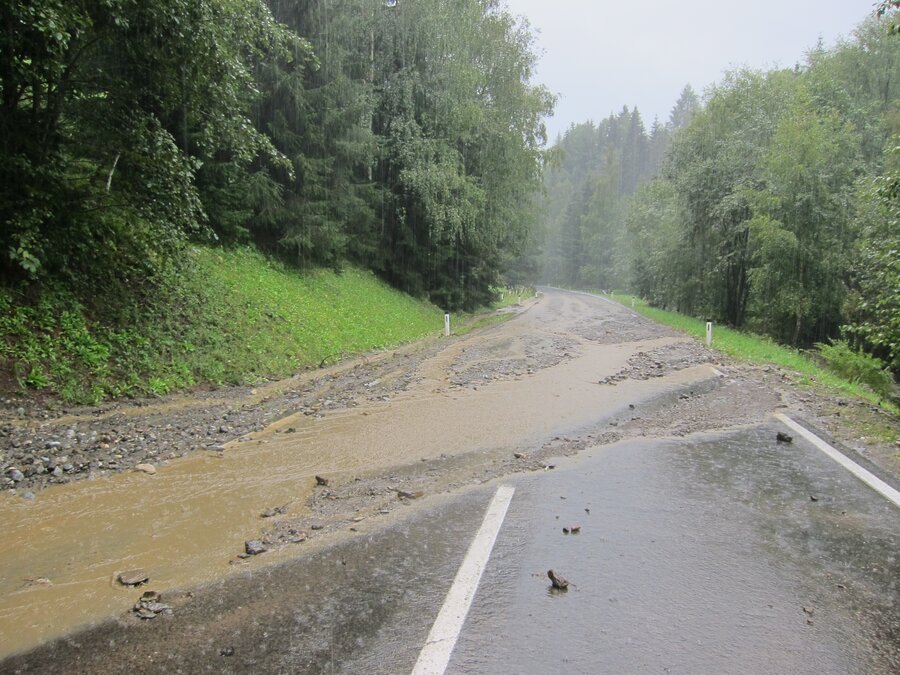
pixel 865 476
pixel 435 655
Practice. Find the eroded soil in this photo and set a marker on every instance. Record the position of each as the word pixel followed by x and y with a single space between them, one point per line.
pixel 382 434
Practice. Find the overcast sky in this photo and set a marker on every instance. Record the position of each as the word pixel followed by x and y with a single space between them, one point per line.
pixel 599 55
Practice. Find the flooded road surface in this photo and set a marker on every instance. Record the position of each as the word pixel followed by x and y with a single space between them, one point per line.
pixel 60 552
pixel 701 555
pixel 707 556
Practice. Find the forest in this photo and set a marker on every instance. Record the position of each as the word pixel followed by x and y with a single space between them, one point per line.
pixel 403 137
pixel 408 139
pixel 770 203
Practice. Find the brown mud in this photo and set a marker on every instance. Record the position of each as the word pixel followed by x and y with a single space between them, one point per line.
pixel 385 433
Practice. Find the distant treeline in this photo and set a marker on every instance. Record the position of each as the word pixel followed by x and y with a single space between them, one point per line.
pixel 773 204
pixel 401 135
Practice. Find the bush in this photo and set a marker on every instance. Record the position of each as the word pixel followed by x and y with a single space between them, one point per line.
pixel 858 367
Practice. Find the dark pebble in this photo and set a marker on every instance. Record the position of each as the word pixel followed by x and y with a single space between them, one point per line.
pixel 254 547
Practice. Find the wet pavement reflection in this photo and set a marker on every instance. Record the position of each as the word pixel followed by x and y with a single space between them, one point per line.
pixel 731 554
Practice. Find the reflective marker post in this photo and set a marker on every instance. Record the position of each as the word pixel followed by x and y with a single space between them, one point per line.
pixel 446 325
pixel 709 333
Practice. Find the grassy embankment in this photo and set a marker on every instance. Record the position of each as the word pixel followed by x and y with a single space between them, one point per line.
pixel 756 349
pixel 237 317
pixel 466 323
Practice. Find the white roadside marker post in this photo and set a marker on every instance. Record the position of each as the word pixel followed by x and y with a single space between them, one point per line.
pixel 709 333
pixel 446 325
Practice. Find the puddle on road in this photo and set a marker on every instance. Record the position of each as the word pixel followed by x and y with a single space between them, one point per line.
pixel 184 524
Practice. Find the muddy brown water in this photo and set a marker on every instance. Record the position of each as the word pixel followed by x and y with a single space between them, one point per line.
pixel 61 552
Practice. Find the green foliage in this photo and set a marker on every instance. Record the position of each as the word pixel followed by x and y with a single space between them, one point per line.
pixel 112 112
pixel 858 367
pixel 235 316
pixel 873 306
pixel 800 235
pixel 768 213
pixel 762 350
pixel 415 146
pixel 887 7
pixel 590 187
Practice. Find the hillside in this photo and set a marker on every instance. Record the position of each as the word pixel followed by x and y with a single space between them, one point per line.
pixel 236 317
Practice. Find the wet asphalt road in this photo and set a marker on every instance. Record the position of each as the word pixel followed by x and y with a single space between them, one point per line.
pixel 704 556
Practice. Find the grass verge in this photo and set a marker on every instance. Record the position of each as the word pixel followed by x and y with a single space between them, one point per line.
pixel 233 317
pixel 760 350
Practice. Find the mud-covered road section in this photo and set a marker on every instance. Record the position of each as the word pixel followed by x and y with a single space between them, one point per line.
pixel 295 465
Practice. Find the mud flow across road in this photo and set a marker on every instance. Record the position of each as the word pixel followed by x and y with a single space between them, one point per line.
pixel 301 464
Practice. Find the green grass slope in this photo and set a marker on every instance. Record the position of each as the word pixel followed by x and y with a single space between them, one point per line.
pixel 235 317
pixel 756 349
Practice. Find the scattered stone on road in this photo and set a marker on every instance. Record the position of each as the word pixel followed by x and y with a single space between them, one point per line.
pixel 277 511
pixel 321 480
pixel 133 577
pixel 782 437
pixel 150 605
pixel 146 468
pixel 403 494
pixel 254 547
pixel 559 582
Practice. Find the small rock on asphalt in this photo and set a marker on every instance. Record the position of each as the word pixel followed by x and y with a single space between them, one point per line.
pixel 782 437
pixel 146 468
pixel 133 577
pixel 559 583
pixel 150 605
pixel 321 480
pixel 403 494
pixel 254 547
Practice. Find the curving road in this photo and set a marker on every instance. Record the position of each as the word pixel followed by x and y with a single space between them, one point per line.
pixel 705 545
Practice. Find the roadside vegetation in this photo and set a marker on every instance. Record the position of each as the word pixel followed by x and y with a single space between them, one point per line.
pixel 235 316
pixel 837 366
pixel 367 134
pixel 368 139
pixel 771 204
